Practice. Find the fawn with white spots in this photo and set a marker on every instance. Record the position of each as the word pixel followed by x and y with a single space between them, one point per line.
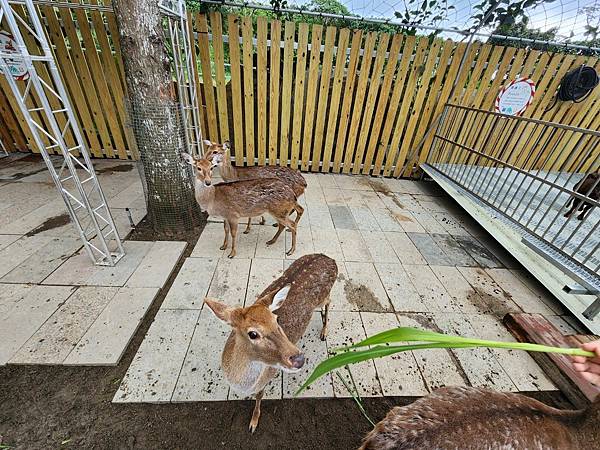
pixel 463 418
pixel 219 154
pixel 245 198
pixel 265 334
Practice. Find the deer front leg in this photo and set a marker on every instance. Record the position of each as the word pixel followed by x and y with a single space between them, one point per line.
pixel 262 220
pixel 247 230
pixel 325 316
pixel 226 241
pixel 256 412
pixel 233 226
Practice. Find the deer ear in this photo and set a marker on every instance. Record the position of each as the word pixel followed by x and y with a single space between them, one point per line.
pixel 226 145
pixel 279 297
pixel 187 158
pixel 221 310
pixel 207 142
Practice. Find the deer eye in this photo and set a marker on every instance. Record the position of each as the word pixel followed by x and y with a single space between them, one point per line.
pixel 214 151
pixel 253 335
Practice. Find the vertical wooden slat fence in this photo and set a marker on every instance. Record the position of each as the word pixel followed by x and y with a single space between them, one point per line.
pixel 316 98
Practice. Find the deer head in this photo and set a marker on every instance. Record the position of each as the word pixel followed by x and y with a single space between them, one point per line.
pixel 202 168
pixel 257 332
pixel 216 153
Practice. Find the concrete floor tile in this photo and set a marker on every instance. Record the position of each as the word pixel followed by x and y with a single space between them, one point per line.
pixel 398 374
pixel 319 217
pixel 230 281
pixel 428 222
pixel 380 249
pixel 107 338
pixel 463 294
pixel 386 220
pixel 453 250
pixel 120 274
pixel 153 373
pixel 33 306
pixel 432 292
pixel 273 251
pixel 209 241
pixel 342 217
pixel 399 288
pixel 429 249
pixel 353 246
pixel 304 242
pixel 201 377
pixel 191 285
pixel 262 273
pixel 54 340
pixel 158 264
pixel 17 252
pixel 363 288
pixel 408 222
pixel 405 250
pixel 478 252
pixel 7 239
pixel 334 196
pixel 364 218
pixel 327 242
pixel 493 295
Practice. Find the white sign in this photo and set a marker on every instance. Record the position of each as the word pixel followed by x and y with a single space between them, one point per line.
pixel 514 98
pixel 16 67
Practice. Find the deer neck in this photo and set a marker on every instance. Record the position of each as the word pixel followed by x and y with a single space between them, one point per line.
pixel 228 171
pixel 205 195
pixel 245 375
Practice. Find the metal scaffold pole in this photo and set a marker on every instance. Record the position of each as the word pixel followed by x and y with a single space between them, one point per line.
pixel 45 105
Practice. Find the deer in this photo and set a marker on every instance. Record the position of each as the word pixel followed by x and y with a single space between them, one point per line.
pixel 467 418
pixel 219 154
pixel 264 335
pixel 589 186
pixel 244 198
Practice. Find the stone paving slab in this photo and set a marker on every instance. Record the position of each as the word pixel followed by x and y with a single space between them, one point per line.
pixel 106 339
pixel 157 265
pixel 14 254
pixel 191 284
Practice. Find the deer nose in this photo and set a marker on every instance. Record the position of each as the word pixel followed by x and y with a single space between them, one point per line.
pixel 297 360
pixel 207 183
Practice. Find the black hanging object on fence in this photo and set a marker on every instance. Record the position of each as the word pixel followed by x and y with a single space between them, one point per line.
pixel 576 85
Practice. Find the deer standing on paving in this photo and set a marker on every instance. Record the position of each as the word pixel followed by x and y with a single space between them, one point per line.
pixel 463 418
pixel 265 334
pixel 590 186
pixel 245 198
pixel 219 154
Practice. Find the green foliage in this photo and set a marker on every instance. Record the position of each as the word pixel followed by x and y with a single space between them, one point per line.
pixel 520 30
pixel 422 12
pixel 350 355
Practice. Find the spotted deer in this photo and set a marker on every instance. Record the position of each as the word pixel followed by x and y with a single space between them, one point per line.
pixel 264 336
pixel 219 154
pixel 245 198
pixel 464 418
pixel 590 186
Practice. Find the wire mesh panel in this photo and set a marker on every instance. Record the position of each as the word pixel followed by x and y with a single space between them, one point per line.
pixel 45 105
pixel 542 176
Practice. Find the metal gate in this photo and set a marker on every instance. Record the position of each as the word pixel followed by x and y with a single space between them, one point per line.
pixel 527 170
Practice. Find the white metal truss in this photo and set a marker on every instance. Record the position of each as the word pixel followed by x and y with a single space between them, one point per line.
pixel 185 71
pixel 46 107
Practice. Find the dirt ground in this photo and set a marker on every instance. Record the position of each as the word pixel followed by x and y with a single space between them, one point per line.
pixel 52 407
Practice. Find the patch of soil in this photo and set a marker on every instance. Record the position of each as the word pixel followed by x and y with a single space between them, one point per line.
pixel 117 168
pixel 402 218
pixel 144 231
pixel 363 297
pixel 50 224
pixel 379 186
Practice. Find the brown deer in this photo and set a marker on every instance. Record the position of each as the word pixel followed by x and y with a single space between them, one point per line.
pixel 265 334
pixel 246 198
pixel 219 154
pixel 590 186
pixel 463 418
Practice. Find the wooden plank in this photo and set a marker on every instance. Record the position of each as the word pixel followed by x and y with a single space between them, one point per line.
pixel 14 107
pixel 76 93
pixel 322 109
pixel 236 89
pixel 355 113
pixel 348 93
pixel 311 94
pixel 535 328
pixel 274 66
pixel 301 51
pixel 416 112
pixel 369 106
pixel 383 101
pixel 248 50
pixel 199 98
pixel 207 79
pixel 13 127
pixel 87 84
pixel 261 88
pixel 216 26
pixel 286 88
pixel 338 83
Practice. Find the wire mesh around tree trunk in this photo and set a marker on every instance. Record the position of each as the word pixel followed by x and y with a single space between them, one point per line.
pixel 167 180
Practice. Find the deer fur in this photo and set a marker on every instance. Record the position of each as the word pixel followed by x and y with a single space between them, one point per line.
pixel 280 316
pixel 246 198
pixel 590 186
pixel 465 418
pixel 219 154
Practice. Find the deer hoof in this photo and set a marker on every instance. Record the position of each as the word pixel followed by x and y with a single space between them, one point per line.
pixel 252 426
pixel 231 255
pixel 275 225
pixel 323 334
pixel 271 242
pixel 246 231
pixel 289 252
pixel 223 247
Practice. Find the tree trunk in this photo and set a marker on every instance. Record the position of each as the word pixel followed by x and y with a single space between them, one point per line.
pixel 155 116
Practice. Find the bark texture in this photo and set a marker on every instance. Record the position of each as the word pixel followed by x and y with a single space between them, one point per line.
pixel 155 116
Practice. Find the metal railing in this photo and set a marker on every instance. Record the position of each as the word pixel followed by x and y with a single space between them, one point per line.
pixel 529 171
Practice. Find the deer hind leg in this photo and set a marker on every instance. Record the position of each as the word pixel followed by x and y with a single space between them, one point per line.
pixel 226 241
pixel 256 412
pixel 325 316
pixel 574 206
pixel 584 209
pixel 262 220
pixel 274 238
pixel 292 226
pixel 299 211
pixel 247 230
pixel 233 226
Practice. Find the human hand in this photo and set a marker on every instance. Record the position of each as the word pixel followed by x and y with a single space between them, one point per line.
pixel 589 367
